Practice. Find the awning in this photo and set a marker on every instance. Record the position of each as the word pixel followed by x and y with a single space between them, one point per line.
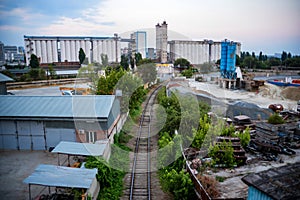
pixel 76 148
pixel 58 176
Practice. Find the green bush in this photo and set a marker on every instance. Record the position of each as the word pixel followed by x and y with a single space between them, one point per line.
pixel 188 73
pixel 111 180
pixel 245 137
pixel 222 154
pixel 178 183
pixel 275 119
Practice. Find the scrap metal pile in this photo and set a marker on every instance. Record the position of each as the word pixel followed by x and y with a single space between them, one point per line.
pixel 270 140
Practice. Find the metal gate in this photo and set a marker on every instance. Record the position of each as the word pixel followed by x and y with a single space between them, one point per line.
pixel 8 136
pixel 32 135
pixel 55 135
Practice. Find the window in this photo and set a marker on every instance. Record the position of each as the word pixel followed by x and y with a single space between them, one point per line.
pixel 91 137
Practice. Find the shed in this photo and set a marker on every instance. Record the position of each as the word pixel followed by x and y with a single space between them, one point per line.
pixel 276 183
pixel 64 177
pixel 41 122
pixel 3 80
pixel 82 149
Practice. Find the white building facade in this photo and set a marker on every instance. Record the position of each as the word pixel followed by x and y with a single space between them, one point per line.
pixel 51 49
pixel 140 43
pixel 197 52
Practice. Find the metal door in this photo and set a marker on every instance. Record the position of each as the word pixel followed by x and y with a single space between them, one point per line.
pixel 8 135
pixel 55 135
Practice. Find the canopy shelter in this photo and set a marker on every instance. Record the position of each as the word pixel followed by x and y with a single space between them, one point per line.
pixel 79 149
pixel 58 176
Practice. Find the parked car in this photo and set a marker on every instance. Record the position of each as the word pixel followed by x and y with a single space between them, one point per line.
pixel 68 92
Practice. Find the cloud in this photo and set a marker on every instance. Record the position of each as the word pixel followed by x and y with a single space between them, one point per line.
pixel 254 23
pixel 10 28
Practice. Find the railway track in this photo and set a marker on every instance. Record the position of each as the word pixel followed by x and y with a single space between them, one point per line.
pixel 141 170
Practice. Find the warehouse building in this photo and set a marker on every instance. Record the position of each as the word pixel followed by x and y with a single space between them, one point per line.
pixel 41 122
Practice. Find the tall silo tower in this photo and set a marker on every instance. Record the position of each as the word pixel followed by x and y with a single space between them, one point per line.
pixel 162 42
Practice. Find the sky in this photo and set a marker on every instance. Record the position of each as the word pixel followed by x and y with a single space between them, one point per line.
pixel 270 26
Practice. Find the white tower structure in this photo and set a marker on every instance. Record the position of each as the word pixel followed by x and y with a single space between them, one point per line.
pixel 162 42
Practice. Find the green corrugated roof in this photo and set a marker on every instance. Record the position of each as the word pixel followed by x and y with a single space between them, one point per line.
pixel 77 106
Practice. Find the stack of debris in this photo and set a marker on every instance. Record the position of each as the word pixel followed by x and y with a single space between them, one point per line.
pixel 241 122
pixel 271 140
pixel 238 151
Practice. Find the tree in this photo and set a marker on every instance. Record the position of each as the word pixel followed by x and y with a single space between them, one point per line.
pixel 237 60
pixel 182 63
pixel 249 62
pixel 138 58
pixel 253 54
pixel 289 55
pixel 260 57
pixel 81 55
pixel 145 61
pixel 90 73
pixel 132 62
pixel 188 73
pixel 104 60
pixel 274 61
pixel 283 56
pixel 124 62
pixel 34 62
pixel 52 72
pixel 147 72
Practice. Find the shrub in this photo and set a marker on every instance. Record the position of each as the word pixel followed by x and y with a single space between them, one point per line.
pixel 222 154
pixel 210 185
pixel 245 137
pixel 275 119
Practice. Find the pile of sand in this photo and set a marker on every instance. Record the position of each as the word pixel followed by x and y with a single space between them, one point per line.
pixel 271 91
pixel 292 93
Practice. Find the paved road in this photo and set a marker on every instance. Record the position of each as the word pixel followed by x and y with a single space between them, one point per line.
pixel 44 91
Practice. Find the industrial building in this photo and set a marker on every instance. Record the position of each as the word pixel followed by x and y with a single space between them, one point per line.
pixel 51 49
pixel 162 42
pixel 41 122
pixel 55 49
pixel 197 52
pixel 140 43
pixel 151 53
pixel 2 55
pixel 275 183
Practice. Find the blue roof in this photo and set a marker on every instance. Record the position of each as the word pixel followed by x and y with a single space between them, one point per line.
pixel 76 148
pixel 58 176
pixel 77 106
pixel 4 78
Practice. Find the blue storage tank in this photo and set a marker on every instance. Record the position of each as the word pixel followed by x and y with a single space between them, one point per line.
pixel 228 57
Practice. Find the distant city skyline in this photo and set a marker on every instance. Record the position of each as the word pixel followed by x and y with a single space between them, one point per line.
pixel 270 26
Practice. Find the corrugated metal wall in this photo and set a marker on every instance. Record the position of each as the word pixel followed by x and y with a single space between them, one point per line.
pixel 32 135
pixel 254 194
pixel 114 113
